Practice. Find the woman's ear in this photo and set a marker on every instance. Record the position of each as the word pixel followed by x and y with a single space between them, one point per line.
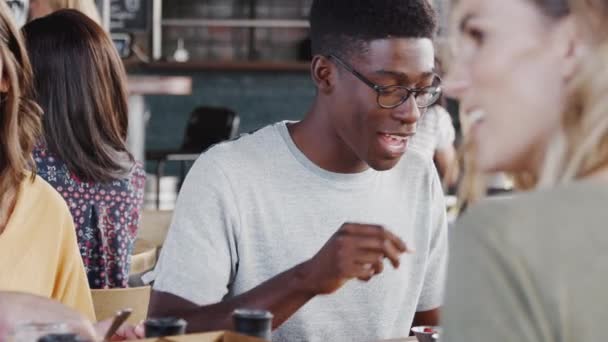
pixel 4 85
pixel 571 46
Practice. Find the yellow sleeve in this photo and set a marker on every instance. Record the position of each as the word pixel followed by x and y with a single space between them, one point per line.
pixel 71 285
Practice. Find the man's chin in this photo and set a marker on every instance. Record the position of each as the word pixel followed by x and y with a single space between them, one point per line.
pixel 384 164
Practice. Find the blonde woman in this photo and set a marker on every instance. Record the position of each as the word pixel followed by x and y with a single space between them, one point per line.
pixel 41 8
pixel 531 76
pixel 38 250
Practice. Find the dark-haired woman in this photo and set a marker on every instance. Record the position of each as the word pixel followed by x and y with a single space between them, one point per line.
pixel 80 85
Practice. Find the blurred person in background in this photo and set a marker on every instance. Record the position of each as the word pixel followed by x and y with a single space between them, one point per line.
pixel 532 267
pixel 434 139
pixel 80 84
pixel 38 249
pixel 41 8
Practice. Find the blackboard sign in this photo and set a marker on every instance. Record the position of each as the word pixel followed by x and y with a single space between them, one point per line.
pixel 129 15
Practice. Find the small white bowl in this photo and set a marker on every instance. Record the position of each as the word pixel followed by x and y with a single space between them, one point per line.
pixel 426 336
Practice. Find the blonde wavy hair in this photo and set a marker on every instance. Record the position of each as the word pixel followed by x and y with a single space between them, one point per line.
pixel 581 148
pixel 87 7
pixel 20 116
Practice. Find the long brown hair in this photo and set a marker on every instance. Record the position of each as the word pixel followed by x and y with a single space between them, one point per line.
pixel 80 84
pixel 19 115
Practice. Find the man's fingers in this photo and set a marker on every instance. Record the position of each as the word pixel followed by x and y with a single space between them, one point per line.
pixel 366 278
pixel 377 244
pixel 371 270
pixel 365 272
pixel 367 257
pixel 373 231
pixel 385 247
pixel 392 253
pixel 378 267
pixel 397 242
pixel 370 230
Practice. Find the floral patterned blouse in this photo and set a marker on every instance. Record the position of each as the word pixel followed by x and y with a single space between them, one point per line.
pixel 106 217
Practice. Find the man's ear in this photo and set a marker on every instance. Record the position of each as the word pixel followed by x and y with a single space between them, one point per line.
pixel 323 73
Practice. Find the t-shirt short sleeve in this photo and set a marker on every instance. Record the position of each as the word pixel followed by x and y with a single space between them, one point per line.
pixel 431 296
pixel 446 133
pixel 198 260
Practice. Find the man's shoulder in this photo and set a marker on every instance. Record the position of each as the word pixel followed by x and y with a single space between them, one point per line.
pixel 248 147
pixel 241 158
pixel 535 214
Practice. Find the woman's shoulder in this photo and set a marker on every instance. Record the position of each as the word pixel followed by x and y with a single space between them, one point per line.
pixel 48 166
pixel 46 193
pixel 37 198
pixel 138 171
pixel 537 213
pixel 118 191
pixel 135 181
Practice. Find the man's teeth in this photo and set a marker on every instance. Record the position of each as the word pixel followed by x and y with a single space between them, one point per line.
pixel 476 115
pixel 395 137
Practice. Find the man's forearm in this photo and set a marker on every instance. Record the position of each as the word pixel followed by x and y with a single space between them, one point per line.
pixel 282 295
pixel 355 251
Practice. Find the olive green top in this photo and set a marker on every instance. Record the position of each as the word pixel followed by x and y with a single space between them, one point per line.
pixel 531 268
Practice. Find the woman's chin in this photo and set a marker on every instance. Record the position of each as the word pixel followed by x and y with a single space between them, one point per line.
pixel 489 163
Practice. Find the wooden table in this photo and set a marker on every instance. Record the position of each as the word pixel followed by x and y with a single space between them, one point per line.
pixel 219 336
pixel 232 337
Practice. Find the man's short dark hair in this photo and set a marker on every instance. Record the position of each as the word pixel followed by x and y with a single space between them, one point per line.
pixel 344 26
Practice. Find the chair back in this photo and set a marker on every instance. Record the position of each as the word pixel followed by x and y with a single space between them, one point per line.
pixel 154 225
pixel 108 301
pixel 144 256
pixel 208 126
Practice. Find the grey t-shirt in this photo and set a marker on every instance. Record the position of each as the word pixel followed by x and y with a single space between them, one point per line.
pixel 255 207
pixel 530 268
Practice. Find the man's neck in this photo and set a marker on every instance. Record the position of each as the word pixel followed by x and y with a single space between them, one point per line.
pixel 319 142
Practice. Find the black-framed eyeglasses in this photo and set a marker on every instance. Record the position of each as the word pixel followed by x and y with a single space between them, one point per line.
pixel 393 96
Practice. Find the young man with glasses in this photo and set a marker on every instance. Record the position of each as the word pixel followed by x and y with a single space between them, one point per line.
pixel 310 219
